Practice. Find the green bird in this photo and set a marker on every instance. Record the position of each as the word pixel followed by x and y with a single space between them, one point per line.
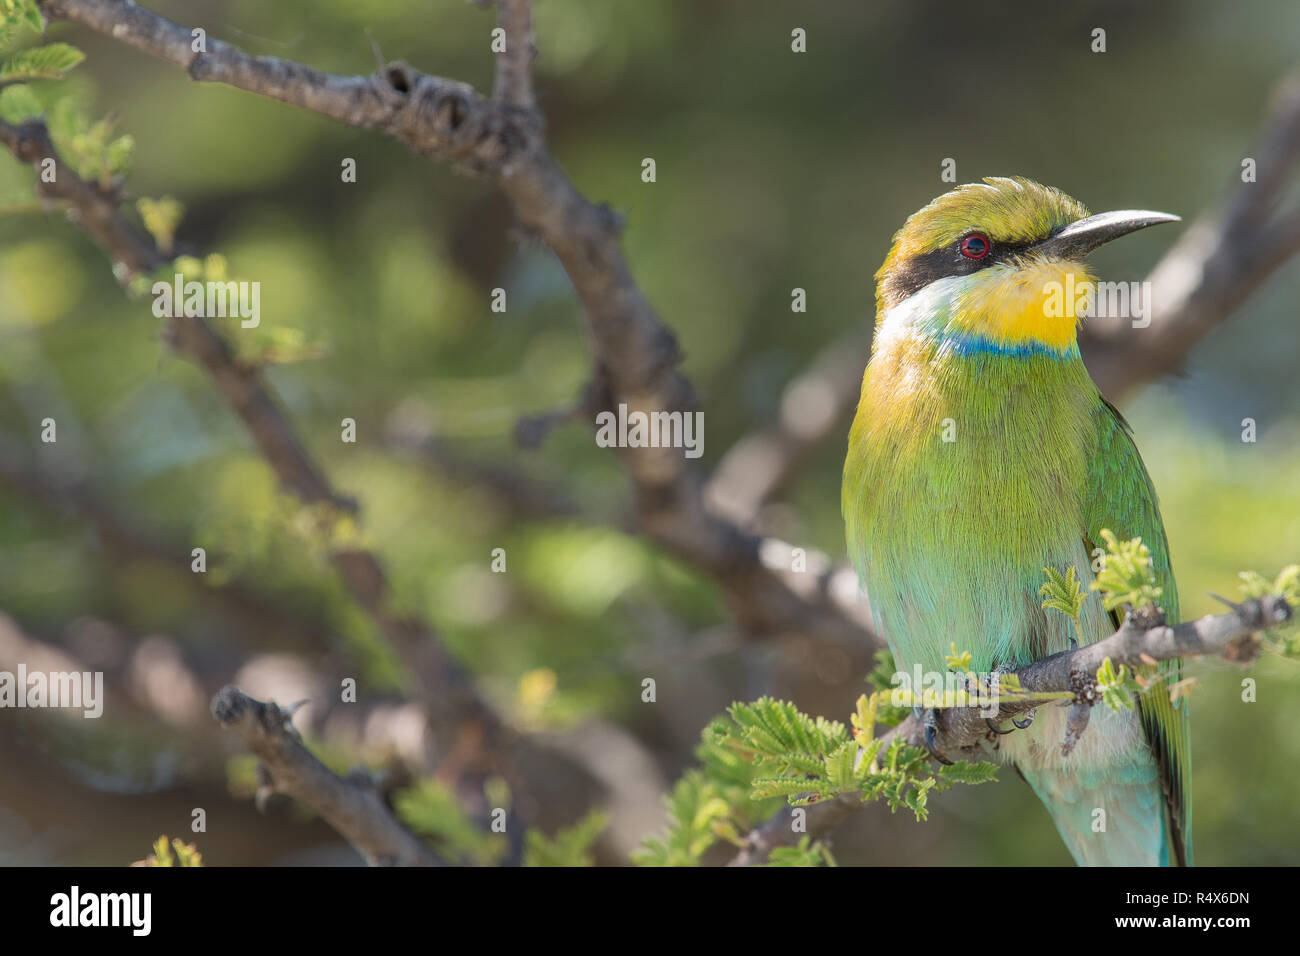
pixel 982 452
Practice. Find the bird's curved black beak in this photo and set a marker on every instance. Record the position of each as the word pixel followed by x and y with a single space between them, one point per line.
pixel 1079 238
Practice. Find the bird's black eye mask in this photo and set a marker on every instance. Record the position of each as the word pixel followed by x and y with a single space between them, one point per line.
pixel 970 253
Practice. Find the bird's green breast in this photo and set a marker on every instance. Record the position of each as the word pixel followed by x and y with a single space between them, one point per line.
pixel 966 474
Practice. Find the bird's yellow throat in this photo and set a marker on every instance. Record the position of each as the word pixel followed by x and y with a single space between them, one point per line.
pixel 1023 303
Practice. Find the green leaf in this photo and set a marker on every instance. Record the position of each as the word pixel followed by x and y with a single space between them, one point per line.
pixel 782 786
pixel 916 797
pixel 18 104
pixel 49 62
pixel 162 852
pixel 778 728
pixel 689 832
pixel 867 761
pixel 1062 592
pixel 1127 576
pixel 1113 685
pixel 431 808
pixel 840 765
pixel 1286 584
pixel 969 772
pixel 19 13
pixel 881 680
pixel 161 217
pixel 958 661
pixel 187 854
pixel 805 853
pixel 780 753
pixel 570 846
pixel 117 155
pixel 711 803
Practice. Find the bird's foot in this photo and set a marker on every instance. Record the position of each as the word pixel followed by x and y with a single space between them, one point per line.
pixel 990 710
pixel 1029 719
pixel 929 719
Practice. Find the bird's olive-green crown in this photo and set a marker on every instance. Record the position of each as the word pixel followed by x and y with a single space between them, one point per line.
pixel 1011 212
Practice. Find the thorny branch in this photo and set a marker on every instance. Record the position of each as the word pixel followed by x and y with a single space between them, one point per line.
pixel 514 80
pixel 635 355
pixel 1218 262
pixel 352 805
pixel 813 406
pixel 959 731
pixel 461 719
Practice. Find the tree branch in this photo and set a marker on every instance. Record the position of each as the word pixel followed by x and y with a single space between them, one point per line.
pixel 434 116
pixel 93 209
pixel 959 730
pixel 814 407
pixel 457 714
pixel 518 494
pixel 635 354
pixel 352 806
pixel 514 79
pixel 1218 262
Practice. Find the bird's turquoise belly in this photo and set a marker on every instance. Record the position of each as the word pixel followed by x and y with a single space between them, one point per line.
pixel 959 532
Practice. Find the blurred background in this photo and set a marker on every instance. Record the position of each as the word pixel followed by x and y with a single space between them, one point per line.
pixel 774 171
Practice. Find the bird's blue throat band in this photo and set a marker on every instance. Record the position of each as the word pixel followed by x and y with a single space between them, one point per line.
pixel 970 345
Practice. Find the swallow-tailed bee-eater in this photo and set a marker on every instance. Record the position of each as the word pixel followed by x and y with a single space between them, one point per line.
pixel 982 453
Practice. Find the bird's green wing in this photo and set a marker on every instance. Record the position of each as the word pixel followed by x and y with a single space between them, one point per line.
pixel 1120 497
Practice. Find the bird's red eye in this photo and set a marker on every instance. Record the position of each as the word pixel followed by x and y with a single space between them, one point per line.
pixel 975 246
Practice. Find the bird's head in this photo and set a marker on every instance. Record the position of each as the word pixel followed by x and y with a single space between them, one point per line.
pixel 994 261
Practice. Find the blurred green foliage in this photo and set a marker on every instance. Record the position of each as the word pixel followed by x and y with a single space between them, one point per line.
pixel 775 170
pixel 174 853
pixel 571 846
pixel 432 809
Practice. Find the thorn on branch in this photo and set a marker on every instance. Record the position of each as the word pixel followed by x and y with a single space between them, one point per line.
pixel 351 805
pixel 1223 600
pixel 374 49
pixel 532 430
